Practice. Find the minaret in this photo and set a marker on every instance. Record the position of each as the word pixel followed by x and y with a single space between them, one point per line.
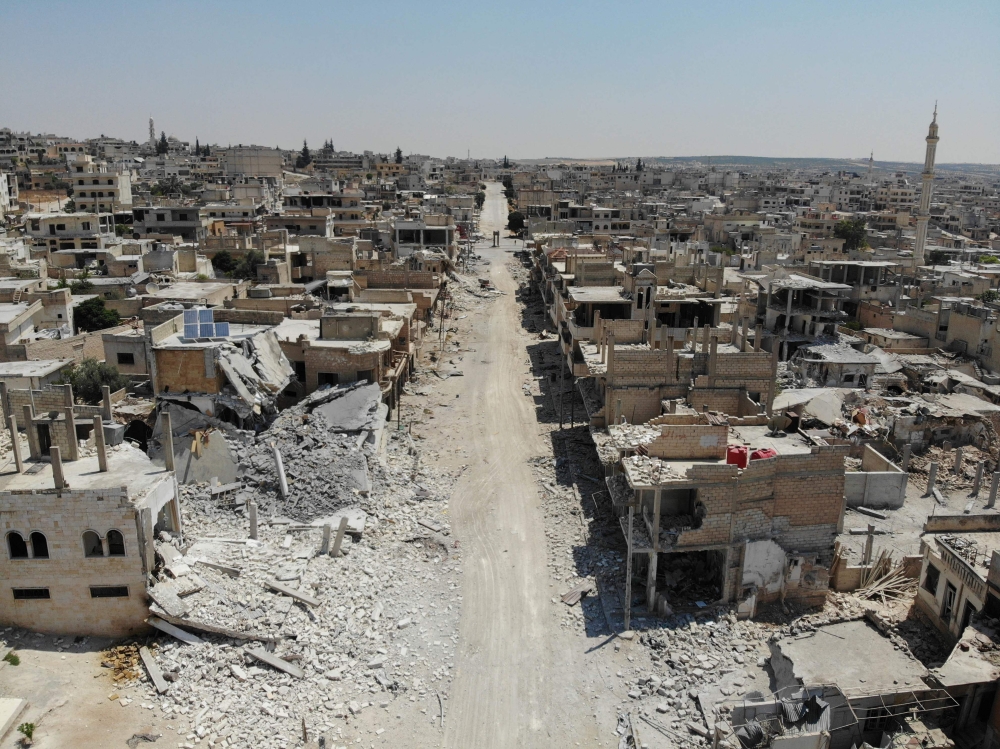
pixel 152 133
pixel 871 163
pixel 927 177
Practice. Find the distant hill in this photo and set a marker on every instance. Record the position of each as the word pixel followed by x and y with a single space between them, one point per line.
pixel 765 163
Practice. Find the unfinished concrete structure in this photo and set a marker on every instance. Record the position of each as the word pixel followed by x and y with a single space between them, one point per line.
pixel 750 513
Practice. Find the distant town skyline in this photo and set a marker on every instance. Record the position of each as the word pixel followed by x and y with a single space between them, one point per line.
pixel 777 79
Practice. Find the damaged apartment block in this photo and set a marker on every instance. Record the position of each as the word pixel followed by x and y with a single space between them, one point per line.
pixel 723 509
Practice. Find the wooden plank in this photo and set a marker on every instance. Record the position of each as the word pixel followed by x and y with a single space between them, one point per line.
pixel 170 629
pixel 231 571
pixel 274 661
pixel 291 592
pixel 575 594
pixel 153 670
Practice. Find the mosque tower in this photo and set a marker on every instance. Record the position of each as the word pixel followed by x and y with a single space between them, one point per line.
pixel 927 177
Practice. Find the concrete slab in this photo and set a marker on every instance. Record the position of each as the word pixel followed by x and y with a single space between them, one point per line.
pixel 216 459
pixel 852 655
pixel 10 711
pixel 355 410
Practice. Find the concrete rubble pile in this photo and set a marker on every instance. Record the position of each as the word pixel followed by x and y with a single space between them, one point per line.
pixel 286 631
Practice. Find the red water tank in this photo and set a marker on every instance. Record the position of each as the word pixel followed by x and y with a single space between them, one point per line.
pixel 736 455
pixel 763 453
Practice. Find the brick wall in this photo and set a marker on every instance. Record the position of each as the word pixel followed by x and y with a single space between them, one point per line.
pixel 190 369
pixel 689 442
pixel 397 279
pixel 67 573
pixel 77 348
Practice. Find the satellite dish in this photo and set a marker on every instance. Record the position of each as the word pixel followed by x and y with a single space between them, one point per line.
pixel 152 288
pixel 778 423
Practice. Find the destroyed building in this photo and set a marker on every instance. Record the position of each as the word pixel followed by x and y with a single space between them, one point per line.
pixel 726 508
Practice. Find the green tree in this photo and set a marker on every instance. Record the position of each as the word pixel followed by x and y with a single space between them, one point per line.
pixel 853 232
pixel 399 155
pixel 304 158
pixel 480 199
pixel 515 221
pixel 70 206
pixel 246 266
pixel 197 147
pixel 162 146
pixel 90 375
pixel 93 315
pixel 990 296
pixel 989 259
pixel 223 262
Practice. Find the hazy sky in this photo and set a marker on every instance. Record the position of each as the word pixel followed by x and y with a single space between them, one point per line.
pixel 531 79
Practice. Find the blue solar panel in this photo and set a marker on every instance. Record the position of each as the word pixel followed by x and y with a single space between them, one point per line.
pixel 190 317
pixel 222 329
pixel 205 315
pixel 207 330
pixel 190 331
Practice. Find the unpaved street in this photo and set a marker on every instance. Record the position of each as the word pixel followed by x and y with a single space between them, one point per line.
pixel 516 669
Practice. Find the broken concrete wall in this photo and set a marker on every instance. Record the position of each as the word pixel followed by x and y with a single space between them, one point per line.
pixel 197 457
pixel 879 483
pixel 763 565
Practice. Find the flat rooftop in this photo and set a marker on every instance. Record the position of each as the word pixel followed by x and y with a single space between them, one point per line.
pixel 192 290
pixel 598 294
pixel 9 312
pixel 237 331
pixel 38 368
pixel 128 466
pixel 797 281
pixel 643 470
pixel 852 655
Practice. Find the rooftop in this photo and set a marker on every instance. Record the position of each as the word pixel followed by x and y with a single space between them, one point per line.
pixel 128 467
pixel 37 368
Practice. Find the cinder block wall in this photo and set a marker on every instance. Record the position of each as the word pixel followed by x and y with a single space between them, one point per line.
pixel 694 442
pixel 67 573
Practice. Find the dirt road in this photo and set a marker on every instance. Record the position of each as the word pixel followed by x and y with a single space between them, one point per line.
pixel 516 670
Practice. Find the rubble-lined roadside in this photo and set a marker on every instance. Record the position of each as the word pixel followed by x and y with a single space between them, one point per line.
pixel 365 638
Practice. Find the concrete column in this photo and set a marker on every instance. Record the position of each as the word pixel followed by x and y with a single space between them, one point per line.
pixel 282 480
pixel 168 442
pixel 74 447
pixel 869 542
pixel 993 489
pixel 651 583
pixel 905 462
pixel 713 357
pixel 29 426
pixel 931 479
pixel 671 371
pixel 15 443
pixel 325 545
pixel 979 478
pixel 339 540
pixel 102 453
pixel 958 460
pixel 106 399
pixel 57 469
pixel 758 333
pixel 252 509
pixel 704 340
pixel 611 358
pixel 3 400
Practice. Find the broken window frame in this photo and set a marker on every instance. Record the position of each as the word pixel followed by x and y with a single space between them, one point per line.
pixel 934 573
pixel 948 602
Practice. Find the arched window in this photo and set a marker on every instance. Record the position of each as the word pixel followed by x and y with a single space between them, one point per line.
pixel 92 545
pixel 39 546
pixel 16 546
pixel 116 544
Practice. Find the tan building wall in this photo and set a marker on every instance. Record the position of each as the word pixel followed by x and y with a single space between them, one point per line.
pixel 68 574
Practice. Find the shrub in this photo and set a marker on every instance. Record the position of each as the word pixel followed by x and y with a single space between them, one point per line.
pixel 28 729
pixel 12 658
pixel 90 375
